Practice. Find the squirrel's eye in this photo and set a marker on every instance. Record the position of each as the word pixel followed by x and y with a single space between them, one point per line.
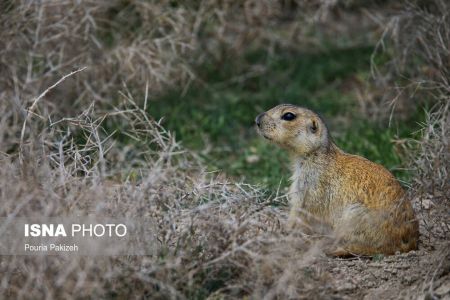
pixel 288 116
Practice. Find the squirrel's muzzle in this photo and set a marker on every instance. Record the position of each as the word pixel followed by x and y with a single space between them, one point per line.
pixel 258 119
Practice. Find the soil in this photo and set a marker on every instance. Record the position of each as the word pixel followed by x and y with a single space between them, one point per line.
pixel 421 274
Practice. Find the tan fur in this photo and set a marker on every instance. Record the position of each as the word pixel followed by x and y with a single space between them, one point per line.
pixel 360 200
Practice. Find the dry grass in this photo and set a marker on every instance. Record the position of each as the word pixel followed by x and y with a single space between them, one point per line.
pixel 416 38
pixel 158 44
pixel 217 238
pixel 214 236
pixel 430 164
pixel 421 36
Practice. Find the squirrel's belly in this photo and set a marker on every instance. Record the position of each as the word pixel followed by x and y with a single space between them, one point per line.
pixel 310 201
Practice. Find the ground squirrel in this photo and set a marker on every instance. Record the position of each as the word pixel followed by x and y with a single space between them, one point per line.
pixel 360 200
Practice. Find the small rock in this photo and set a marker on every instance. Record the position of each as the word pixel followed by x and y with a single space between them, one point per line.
pixel 427 203
pixel 251 159
pixel 346 286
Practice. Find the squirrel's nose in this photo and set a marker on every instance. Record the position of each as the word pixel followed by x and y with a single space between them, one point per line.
pixel 258 119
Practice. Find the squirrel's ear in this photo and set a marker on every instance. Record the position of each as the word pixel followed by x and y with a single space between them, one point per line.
pixel 314 126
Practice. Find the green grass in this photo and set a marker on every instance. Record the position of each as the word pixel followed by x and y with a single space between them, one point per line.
pixel 217 119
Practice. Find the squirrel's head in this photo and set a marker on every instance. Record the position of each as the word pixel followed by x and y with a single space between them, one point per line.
pixel 299 130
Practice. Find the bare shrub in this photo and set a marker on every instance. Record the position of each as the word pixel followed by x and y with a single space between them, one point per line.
pixel 121 41
pixel 214 237
pixel 421 35
pixel 417 38
pixel 145 45
pixel 429 161
pixel 155 44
